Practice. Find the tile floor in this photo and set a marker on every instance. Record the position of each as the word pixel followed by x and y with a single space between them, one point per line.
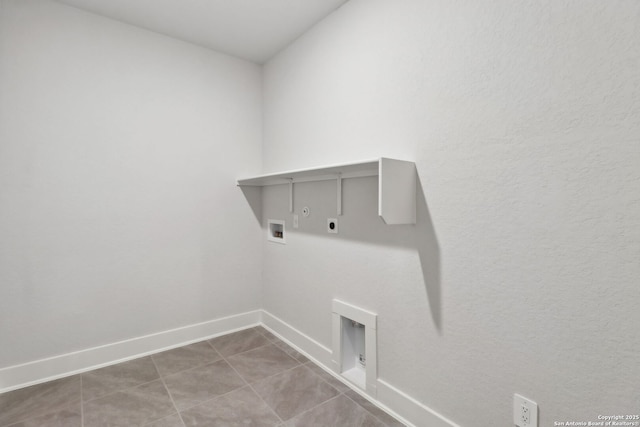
pixel 247 378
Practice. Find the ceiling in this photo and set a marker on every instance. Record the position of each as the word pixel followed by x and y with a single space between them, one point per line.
pixel 251 29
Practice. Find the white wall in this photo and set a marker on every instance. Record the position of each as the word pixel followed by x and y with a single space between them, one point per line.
pixel 522 272
pixel 119 150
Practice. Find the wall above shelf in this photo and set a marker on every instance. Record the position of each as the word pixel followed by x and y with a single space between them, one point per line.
pixel 396 184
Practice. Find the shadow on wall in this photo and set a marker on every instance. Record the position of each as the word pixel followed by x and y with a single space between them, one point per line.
pixel 253 195
pixel 426 243
pixel 359 222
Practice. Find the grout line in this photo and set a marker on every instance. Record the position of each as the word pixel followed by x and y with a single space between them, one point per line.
pixel 251 349
pixel 222 359
pixel 163 418
pixel 169 393
pixel 254 390
pixel 244 351
pixel 29 417
pixel 124 388
pixel 212 398
pixel 207 363
pixel 271 376
pixel 121 390
pixel 217 352
pixel 161 379
pixel 246 384
pixel 320 376
pixel 319 404
pixel 212 346
pixel 191 369
pixel 262 346
pixel 200 365
pixel 266 404
pixel 286 347
pixel 287 370
pixel 81 403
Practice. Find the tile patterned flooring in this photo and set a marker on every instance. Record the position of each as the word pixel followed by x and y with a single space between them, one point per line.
pixel 247 378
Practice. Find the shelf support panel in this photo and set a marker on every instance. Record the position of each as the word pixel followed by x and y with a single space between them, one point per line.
pixel 291 195
pixel 339 193
pixel 397 191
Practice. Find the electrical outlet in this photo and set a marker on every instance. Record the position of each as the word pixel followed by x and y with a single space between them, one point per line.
pixel 332 225
pixel 296 224
pixel 525 412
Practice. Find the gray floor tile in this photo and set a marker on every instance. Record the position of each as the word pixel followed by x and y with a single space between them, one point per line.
pixel 240 408
pixel 238 342
pixel 189 388
pixel 290 351
pixel 124 375
pixel 262 362
pixel 371 421
pixel 38 400
pixel 183 358
pixel 70 417
pixel 295 391
pixel 170 421
pixel 338 412
pixel 268 335
pixel 387 419
pixel 338 385
pixel 136 406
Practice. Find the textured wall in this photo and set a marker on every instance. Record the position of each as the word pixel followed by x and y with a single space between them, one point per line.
pixel 118 153
pixel 522 272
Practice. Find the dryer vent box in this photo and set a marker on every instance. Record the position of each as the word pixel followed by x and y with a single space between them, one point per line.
pixel 354 345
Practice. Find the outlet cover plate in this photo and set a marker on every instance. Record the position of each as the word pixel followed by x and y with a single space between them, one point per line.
pixel 525 412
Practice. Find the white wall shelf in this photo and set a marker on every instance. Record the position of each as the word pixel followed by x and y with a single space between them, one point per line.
pixel 396 184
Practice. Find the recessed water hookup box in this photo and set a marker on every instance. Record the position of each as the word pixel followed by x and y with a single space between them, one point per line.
pixel 276 231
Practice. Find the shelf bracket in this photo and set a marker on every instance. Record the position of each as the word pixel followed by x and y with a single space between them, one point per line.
pixel 339 193
pixel 290 194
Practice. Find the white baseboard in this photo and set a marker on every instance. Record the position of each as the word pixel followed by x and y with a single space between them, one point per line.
pixel 412 410
pixel 39 371
pixel 390 399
